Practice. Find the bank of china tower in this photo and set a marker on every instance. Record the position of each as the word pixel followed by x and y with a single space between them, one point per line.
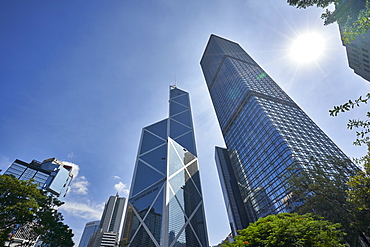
pixel 165 205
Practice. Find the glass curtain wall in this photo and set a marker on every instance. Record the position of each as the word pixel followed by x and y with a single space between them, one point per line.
pixel 265 131
pixel 165 205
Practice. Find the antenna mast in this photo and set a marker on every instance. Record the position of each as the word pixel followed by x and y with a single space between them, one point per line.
pixel 174 86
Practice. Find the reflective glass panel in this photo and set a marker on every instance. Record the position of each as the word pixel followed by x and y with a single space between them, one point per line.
pixel 181 240
pixel 145 177
pixel 144 200
pixel 57 185
pixel 157 158
pixel 159 128
pixel 149 142
pixel 175 92
pixel 132 222
pixel 177 129
pixel 175 161
pixel 193 167
pixel 176 218
pixel 28 173
pixel 178 185
pixel 176 108
pixel 153 219
pixel 183 118
pixel 187 141
pixel 183 99
pixel 191 240
pixel 142 239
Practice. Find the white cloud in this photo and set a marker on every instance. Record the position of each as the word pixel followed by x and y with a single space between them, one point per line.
pixel 121 187
pixel 86 211
pixel 70 155
pixel 75 168
pixel 79 185
pixel 116 177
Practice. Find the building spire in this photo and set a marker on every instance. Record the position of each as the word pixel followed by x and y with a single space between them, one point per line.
pixel 175 85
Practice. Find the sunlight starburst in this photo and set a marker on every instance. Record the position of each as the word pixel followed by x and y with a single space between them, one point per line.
pixel 307 48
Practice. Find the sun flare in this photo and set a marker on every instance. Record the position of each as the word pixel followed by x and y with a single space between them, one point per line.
pixel 307 47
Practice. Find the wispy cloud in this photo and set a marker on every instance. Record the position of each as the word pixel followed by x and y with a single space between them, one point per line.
pixel 79 185
pixel 88 211
pixel 116 177
pixel 70 155
pixel 122 188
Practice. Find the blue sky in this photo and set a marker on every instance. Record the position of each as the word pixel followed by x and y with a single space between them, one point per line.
pixel 80 79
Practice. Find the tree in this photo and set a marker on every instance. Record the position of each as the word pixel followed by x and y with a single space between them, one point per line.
pixel 359 195
pixel 352 15
pixel 359 185
pixel 290 230
pixel 322 186
pixel 18 203
pixel 334 189
pixel 21 202
pixel 49 223
pixel 363 125
pixel 359 192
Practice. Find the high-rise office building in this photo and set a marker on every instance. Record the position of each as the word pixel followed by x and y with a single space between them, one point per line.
pixel 358 54
pixel 358 49
pixel 233 201
pixel 110 223
pixel 90 228
pixel 52 175
pixel 165 205
pixel 265 132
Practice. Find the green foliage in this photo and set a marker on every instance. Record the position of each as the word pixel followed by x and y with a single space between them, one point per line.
pixel 359 192
pixel 308 3
pixel 18 203
pixel 22 202
pixel 323 188
pixel 349 105
pixel 352 15
pixel 359 195
pixel 362 125
pixel 49 224
pixel 290 230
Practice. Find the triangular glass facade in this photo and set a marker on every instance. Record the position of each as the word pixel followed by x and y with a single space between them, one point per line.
pixel 165 205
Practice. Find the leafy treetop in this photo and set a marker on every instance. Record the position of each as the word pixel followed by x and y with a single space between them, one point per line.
pixel 21 202
pixel 352 15
pixel 290 230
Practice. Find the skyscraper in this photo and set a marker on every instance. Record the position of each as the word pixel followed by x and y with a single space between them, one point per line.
pixel 52 175
pixel 233 201
pixel 358 54
pixel 110 223
pixel 165 205
pixel 358 49
pixel 265 132
pixel 90 228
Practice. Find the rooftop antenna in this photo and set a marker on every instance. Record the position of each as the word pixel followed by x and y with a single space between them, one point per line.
pixel 174 86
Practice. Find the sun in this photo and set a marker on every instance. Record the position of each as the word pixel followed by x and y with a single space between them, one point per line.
pixel 307 47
